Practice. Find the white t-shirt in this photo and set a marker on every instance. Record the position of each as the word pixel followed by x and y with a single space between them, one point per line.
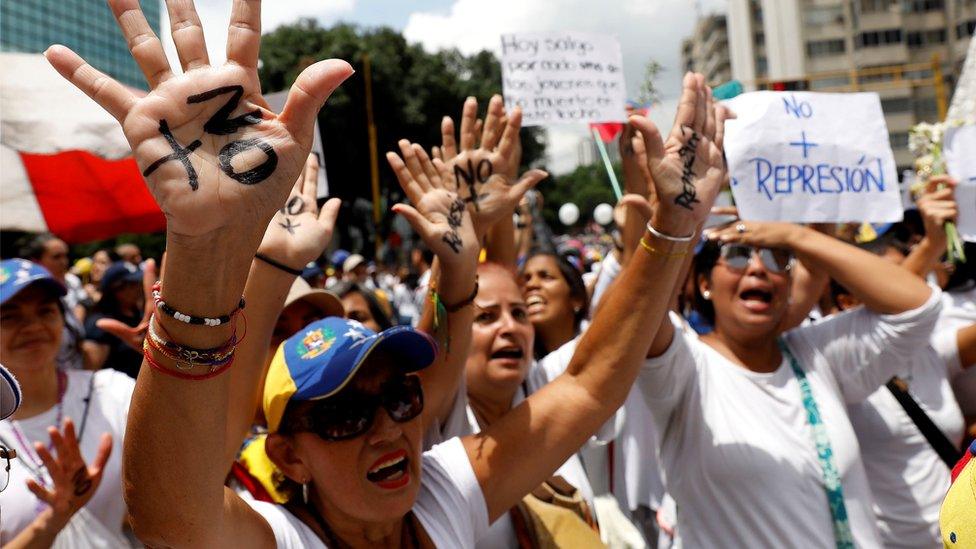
pixel 110 394
pixel 907 477
pixel 959 311
pixel 736 448
pixel 450 505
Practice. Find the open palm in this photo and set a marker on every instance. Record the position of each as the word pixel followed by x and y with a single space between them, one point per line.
pixel 214 156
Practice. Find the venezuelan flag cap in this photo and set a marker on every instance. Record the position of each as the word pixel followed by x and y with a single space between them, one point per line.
pixel 17 274
pixel 957 519
pixel 319 360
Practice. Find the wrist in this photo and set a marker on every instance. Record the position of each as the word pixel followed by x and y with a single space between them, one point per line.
pixel 673 224
pixel 49 524
pixel 456 285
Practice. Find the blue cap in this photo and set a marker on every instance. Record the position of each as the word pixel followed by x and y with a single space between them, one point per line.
pixel 339 257
pixel 9 394
pixel 120 271
pixel 322 358
pixel 17 274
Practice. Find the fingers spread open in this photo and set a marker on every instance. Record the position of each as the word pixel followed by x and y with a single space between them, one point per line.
pixel 448 143
pixel 40 492
pixel 244 33
pixel 145 46
pixel 529 180
pixel 410 158
pixel 187 32
pixel 430 172
pixel 417 221
pixel 104 90
pixel 510 137
pixel 493 123
pixel 101 458
pixel 307 95
pixel 310 180
pixel 404 177
pixel 469 116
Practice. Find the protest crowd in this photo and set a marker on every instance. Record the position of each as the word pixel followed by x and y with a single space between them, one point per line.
pixel 685 378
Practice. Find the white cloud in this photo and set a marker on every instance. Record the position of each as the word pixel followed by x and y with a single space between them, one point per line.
pixel 215 14
pixel 647 29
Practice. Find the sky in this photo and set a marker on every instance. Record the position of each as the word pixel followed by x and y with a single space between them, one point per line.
pixel 647 29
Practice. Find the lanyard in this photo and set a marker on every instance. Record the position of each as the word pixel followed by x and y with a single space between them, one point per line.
pixel 825 455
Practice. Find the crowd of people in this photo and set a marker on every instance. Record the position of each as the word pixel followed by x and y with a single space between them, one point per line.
pixel 687 378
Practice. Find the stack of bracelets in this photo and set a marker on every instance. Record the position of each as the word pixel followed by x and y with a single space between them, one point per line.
pixel 218 359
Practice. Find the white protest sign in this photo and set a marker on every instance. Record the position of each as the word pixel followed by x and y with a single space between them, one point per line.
pixel 563 77
pixel 959 148
pixel 811 158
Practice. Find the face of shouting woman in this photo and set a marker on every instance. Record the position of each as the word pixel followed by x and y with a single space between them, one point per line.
pixel 750 300
pixel 548 296
pixel 501 335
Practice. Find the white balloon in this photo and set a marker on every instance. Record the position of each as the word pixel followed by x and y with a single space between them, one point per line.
pixel 603 213
pixel 568 213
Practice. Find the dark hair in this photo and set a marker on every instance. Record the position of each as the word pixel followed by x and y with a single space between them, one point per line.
pixel 705 261
pixel 964 275
pixel 346 287
pixel 573 279
pixel 32 247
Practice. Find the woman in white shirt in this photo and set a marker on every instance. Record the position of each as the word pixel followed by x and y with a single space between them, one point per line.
pixel 360 490
pixel 65 483
pixel 756 445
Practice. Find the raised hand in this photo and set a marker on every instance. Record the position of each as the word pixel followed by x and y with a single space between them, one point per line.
pixel 938 206
pixel 73 481
pixel 483 168
pixel 299 232
pixel 214 156
pixel 133 336
pixel 688 169
pixel 438 213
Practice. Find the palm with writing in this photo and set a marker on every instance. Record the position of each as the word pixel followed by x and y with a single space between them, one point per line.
pixel 482 167
pixel 299 231
pixel 688 169
pixel 437 212
pixel 73 482
pixel 214 156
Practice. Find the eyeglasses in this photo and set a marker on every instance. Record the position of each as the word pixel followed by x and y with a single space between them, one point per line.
pixel 343 417
pixel 737 257
pixel 6 455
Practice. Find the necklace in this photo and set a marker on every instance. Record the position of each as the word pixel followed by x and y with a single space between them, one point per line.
pixel 36 465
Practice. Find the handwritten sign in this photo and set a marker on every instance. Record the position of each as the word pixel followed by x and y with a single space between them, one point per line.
pixel 568 77
pixel 811 157
pixel 959 147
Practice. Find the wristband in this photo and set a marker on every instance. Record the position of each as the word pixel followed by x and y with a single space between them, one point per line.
pixel 662 236
pixel 280 266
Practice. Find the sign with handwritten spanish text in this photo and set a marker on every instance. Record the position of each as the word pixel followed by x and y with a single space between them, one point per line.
pixel 563 77
pixel 959 147
pixel 811 157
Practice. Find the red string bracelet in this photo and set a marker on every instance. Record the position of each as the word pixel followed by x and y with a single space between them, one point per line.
pixel 180 375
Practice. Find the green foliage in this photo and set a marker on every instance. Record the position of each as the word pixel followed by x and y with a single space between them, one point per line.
pixel 586 186
pixel 649 94
pixel 412 91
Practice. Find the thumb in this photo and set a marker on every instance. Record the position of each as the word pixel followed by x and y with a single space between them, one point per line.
pixel 417 221
pixel 639 202
pixel 307 95
pixel 653 143
pixel 529 179
pixel 101 458
pixel 117 328
pixel 329 213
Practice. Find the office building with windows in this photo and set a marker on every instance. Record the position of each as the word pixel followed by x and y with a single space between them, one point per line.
pixel 707 50
pixel 86 26
pixel 886 46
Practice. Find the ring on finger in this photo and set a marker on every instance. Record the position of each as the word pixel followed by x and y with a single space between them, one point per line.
pixel 740 228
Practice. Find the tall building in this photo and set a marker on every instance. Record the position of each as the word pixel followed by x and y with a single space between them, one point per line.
pixel 86 26
pixel 707 50
pixel 886 46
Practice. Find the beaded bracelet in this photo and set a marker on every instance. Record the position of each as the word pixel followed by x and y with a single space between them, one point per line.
pixel 190 319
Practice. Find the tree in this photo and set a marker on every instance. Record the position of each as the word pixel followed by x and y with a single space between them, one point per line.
pixel 586 186
pixel 412 91
pixel 648 93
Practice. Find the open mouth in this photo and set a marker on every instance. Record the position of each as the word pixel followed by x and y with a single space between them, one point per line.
pixel 756 299
pixel 510 353
pixel 535 304
pixel 391 471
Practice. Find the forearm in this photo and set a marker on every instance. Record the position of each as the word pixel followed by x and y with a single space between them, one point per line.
pixel 924 257
pixel 177 428
pixel 39 534
pixel 882 286
pixel 265 293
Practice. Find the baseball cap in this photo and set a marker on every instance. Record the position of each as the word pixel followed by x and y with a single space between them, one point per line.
pixel 9 394
pixel 322 358
pixel 339 257
pixel 17 274
pixel 957 518
pixel 352 262
pixel 326 302
pixel 120 271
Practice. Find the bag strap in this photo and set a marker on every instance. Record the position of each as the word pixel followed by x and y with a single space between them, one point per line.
pixel 825 455
pixel 935 437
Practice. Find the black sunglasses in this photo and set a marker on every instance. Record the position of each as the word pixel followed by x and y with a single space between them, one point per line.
pixel 349 415
pixel 737 257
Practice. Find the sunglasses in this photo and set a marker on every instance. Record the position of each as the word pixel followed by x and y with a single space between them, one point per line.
pixel 737 257
pixel 347 416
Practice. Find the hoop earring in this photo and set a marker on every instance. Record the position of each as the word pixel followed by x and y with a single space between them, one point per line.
pixel 305 493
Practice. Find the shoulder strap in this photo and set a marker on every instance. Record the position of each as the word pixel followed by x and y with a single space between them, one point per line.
pixel 935 437
pixel 825 455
